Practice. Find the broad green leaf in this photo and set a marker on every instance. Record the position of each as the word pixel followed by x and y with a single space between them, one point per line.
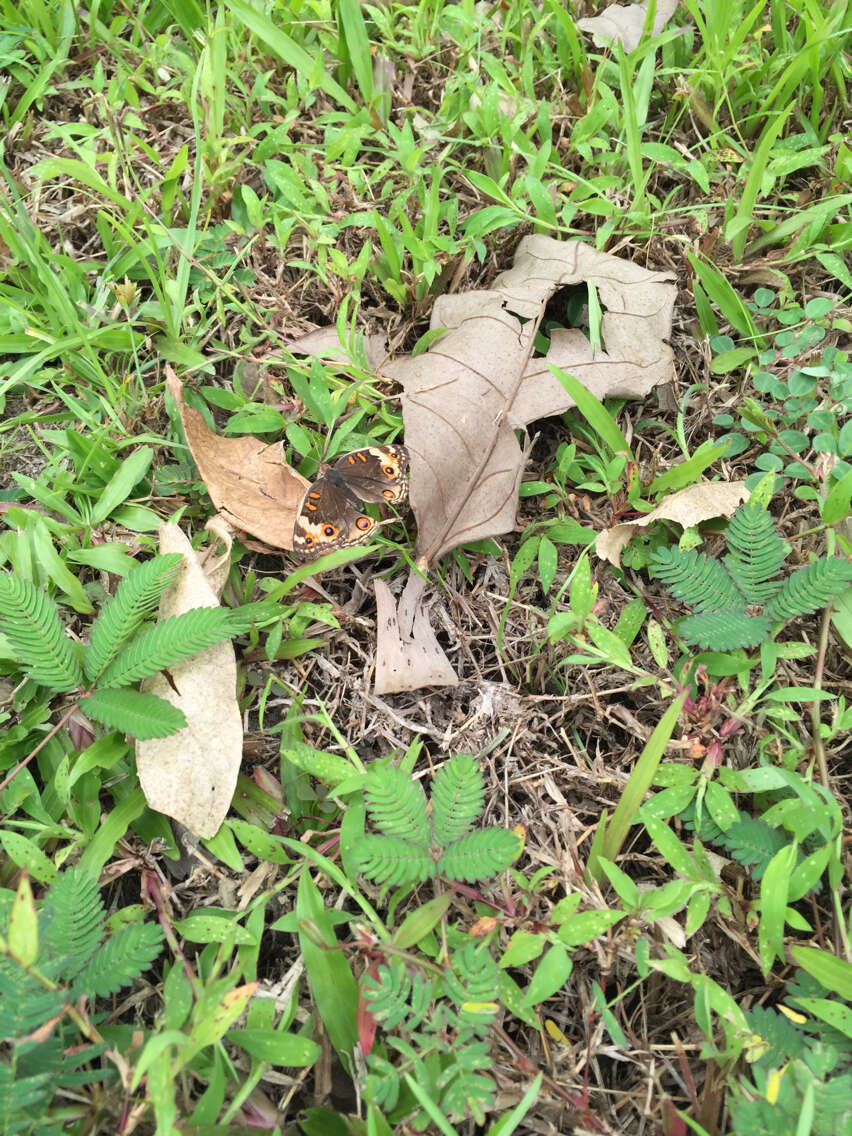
pixel 285 1049
pixel 334 990
pixel 26 854
pixel 587 925
pixel 420 922
pixel 550 975
pixel 22 933
pixel 121 484
pixel 833 973
pixel 523 947
pixel 773 904
pixel 213 928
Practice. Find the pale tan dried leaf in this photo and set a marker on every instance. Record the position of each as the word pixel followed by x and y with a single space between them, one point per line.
pixel 249 482
pixel 324 343
pixel 464 397
pixel 687 507
pixel 624 25
pixel 408 655
pixel 192 774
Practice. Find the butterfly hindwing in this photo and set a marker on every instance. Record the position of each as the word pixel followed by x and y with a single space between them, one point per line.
pixel 330 515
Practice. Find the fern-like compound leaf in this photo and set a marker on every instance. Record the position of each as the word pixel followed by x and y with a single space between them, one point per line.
pixel 467 1093
pixel 785 1041
pixel 382 1087
pixel 810 588
pixel 135 600
pixel 388 994
pixel 21 1099
pixel 389 860
pixel 478 855
pixel 30 621
pixel 121 959
pixel 724 630
pixel 71 923
pixel 696 578
pixel 755 553
pixel 142 716
pixel 397 804
pixel 474 981
pixel 24 1004
pixel 753 843
pixel 458 792
pixel 167 643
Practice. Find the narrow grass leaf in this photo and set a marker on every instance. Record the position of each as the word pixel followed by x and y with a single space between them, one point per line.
pixel 639 784
pixel 726 299
pixel 679 476
pixel 594 411
pixel 357 44
pixel 287 50
pixel 111 829
pixel 737 227
pixel 510 1121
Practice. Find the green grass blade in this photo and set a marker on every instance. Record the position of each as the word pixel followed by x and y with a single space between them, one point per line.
pixel 279 44
pixel 594 411
pixel 639 783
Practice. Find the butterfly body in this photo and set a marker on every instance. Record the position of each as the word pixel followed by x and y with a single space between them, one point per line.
pixel 331 515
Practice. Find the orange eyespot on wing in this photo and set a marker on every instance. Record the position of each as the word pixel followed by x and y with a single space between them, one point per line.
pixel 364 523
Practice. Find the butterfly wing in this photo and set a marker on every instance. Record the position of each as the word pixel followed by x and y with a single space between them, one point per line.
pixel 329 518
pixel 376 473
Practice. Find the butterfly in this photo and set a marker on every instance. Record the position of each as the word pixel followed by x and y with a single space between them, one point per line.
pixel 331 516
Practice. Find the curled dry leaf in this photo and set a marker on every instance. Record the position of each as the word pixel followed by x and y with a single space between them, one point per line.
pixel 464 398
pixel 192 774
pixel 248 481
pixel 687 507
pixel 624 24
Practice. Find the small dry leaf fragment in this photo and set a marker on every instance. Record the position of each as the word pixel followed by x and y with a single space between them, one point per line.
pixel 192 774
pixel 623 24
pixel 687 507
pixel 408 655
pixel 324 343
pixel 248 481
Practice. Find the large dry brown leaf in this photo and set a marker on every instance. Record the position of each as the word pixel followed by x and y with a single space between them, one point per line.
pixel 624 25
pixel 248 481
pixel 192 774
pixel 687 507
pixel 465 397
